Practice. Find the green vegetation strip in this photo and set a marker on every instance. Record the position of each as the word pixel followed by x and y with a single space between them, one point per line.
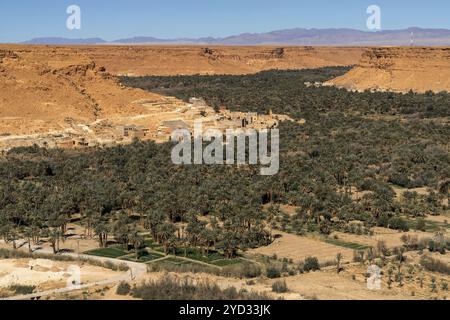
pixel 349 245
pixel 107 252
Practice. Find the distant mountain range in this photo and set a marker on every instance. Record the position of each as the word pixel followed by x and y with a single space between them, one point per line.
pixel 297 36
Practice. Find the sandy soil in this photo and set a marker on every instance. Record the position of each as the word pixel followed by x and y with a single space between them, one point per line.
pixel 326 285
pixel 298 248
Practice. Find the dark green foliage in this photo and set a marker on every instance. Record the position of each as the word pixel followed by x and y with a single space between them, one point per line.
pixel 123 288
pixel 273 272
pixel 397 223
pixel 22 289
pixel 284 92
pixel 349 141
pixel 311 264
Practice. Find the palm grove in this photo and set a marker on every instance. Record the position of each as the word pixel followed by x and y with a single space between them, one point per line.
pixel 351 142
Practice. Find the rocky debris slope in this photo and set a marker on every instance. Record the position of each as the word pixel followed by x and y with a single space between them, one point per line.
pixel 400 70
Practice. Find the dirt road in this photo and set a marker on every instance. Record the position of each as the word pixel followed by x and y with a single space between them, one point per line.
pixel 136 270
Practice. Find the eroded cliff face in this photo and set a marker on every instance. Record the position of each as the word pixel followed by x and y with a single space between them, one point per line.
pixel 191 60
pixel 400 70
pixel 42 90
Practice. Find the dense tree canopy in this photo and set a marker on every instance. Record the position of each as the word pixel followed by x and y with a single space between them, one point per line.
pixel 351 143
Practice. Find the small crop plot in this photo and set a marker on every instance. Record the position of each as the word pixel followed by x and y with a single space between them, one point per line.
pixel 143 257
pixel 107 252
pixel 349 245
pixel 191 253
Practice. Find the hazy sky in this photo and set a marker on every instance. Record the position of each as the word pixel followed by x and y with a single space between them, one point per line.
pixel 112 19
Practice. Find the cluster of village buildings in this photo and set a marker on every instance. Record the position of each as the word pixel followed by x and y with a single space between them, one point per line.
pixel 184 117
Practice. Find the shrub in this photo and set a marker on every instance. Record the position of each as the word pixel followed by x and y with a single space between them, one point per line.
pixel 273 272
pixel 398 223
pixel 123 288
pixel 311 264
pixel 22 289
pixel 280 287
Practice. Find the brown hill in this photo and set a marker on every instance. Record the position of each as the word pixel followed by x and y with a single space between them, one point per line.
pixel 44 89
pixel 400 69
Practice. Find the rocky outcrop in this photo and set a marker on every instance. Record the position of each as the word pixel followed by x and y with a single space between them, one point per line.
pixel 419 69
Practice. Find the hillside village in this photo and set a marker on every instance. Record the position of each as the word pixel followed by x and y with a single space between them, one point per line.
pixel 158 124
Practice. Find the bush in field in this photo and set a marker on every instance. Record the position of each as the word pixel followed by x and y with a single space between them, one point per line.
pixel 273 272
pixel 311 264
pixel 398 223
pixel 280 287
pixel 123 288
pixel 22 289
pixel 437 246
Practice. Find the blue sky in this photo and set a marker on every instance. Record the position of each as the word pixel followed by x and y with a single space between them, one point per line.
pixel 112 19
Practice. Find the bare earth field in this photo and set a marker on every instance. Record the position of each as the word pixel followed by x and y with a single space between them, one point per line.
pixel 298 248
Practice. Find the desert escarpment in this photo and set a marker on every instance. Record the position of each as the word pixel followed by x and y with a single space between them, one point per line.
pixel 44 90
pixel 419 69
pixel 191 60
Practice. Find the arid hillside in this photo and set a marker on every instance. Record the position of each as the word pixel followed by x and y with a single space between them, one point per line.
pixel 400 69
pixel 189 60
pixel 45 89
